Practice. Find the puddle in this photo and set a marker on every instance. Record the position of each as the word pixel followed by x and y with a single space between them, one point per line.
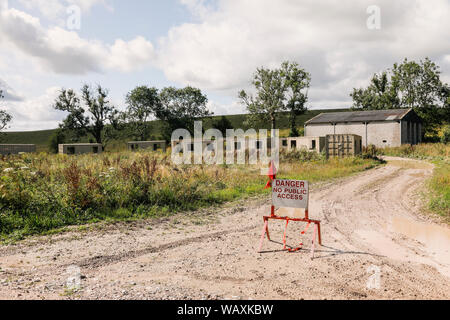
pixel 436 239
pixel 433 236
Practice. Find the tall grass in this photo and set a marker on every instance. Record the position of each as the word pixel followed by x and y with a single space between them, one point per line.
pixel 41 192
pixel 439 184
pixel 430 151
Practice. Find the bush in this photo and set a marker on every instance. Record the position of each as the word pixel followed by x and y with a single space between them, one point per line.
pixel 370 152
pixel 446 135
pixel 300 155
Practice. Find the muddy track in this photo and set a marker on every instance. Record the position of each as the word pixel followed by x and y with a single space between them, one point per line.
pixel 377 244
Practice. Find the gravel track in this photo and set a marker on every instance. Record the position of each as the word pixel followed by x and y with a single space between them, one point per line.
pixel 372 225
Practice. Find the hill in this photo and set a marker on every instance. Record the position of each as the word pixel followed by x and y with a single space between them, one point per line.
pixel 42 138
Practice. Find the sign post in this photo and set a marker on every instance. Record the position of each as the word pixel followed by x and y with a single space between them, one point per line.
pixel 290 194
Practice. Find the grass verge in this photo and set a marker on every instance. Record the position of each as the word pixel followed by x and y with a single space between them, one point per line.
pixel 439 184
pixel 41 193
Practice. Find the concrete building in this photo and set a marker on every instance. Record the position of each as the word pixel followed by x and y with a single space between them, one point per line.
pixel 316 144
pixel 382 128
pixel 190 147
pixel 147 145
pixel 8 149
pixel 80 148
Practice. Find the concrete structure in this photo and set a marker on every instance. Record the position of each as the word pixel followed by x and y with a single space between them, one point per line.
pixel 342 145
pixel 150 145
pixel 316 144
pixel 205 144
pixel 7 149
pixel 382 128
pixel 80 148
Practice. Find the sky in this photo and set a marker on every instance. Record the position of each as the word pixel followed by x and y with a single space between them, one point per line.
pixel 47 45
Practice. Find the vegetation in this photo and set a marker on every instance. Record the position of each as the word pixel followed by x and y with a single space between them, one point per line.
pixel 142 103
pixel 41 192
pixel 439 184
pixel 179 109
pixel 409 85
pixel 5 118
pixel 98 117
pixel 446 135
pixel 278 90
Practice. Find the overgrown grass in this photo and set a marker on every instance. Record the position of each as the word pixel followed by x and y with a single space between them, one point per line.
pixel 439 184
pixel 426 151
pixel 440 190
pixel 40 192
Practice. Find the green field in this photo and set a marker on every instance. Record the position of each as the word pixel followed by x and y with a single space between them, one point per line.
pixel 42 138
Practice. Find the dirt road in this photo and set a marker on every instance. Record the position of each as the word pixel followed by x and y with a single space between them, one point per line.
pixel 377 245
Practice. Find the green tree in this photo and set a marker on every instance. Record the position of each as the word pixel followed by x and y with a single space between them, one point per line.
pixel 142 103
pixel 268 101
pixel 5 118
pixel 222 124
pixel 57 138
pixel 97 116
pixel 179 108
pixel 380 94
pixel 277 90
pixel 408 85
pixel 297 82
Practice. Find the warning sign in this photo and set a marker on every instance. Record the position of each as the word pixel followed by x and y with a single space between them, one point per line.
pixel 290 194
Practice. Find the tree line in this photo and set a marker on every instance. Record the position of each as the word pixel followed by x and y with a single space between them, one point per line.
pixel 409 84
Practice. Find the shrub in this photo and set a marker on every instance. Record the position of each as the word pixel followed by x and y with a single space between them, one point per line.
pixel 446 135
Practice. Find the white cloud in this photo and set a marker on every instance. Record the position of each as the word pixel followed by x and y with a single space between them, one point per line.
pixel 34 113
pixel 329 38
pixel 65 52
pixel 9 93
pixel 56 9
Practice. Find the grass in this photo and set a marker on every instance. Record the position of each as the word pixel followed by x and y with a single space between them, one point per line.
pixel 439 184
pixel 41 193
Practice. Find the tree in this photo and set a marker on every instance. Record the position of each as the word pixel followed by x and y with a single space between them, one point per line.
pixel 380 94
pixel 409 85
pixel 57 138
pixel 277 90
pixel 268 102
pixel 180 107
pixel 222 125
pixel 297 82
pixel 142 103
pixel 5 118
pixel 97 117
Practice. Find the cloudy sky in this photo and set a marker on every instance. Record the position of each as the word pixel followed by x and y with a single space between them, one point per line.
pixel 213 45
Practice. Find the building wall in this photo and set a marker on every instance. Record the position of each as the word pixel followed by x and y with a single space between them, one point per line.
pixel 305 143
pixel 7 149
pixel 384 134
pixel 161 145
pixel 380 134
pixel 79 149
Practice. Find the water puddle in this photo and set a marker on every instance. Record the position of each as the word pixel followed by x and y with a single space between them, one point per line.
pixel 436 239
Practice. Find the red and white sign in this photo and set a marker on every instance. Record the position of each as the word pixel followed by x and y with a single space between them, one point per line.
pixel 290 194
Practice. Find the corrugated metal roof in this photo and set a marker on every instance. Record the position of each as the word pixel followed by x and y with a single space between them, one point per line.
pixel 360 116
